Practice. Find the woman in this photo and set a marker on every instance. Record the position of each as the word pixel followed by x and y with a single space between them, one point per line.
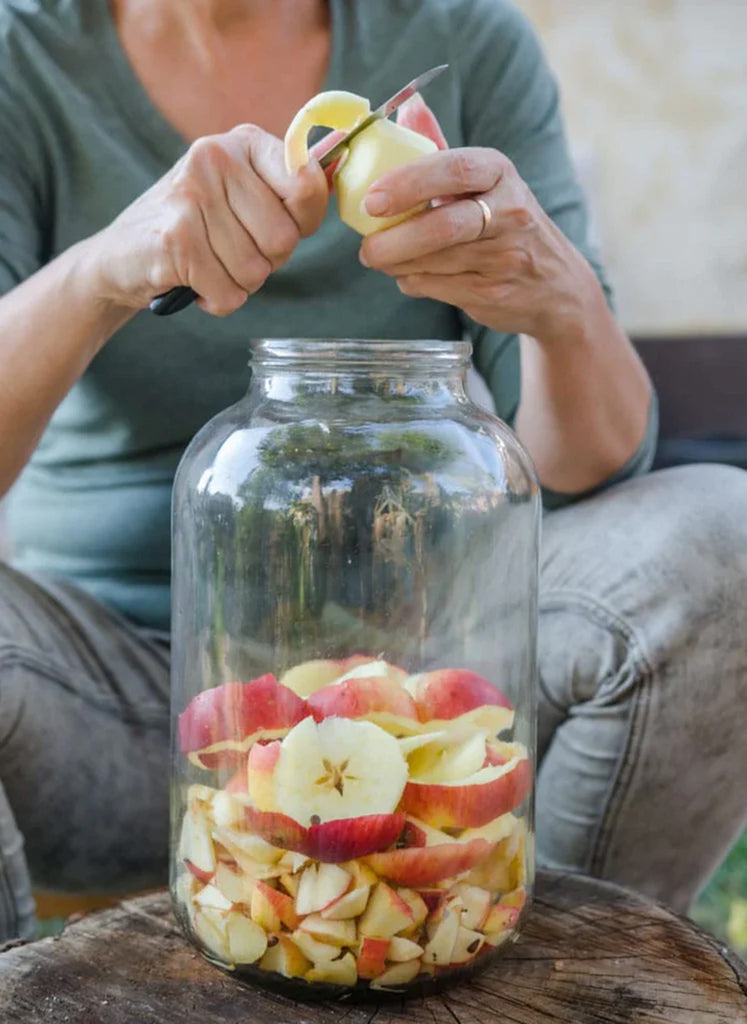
pixel 121 175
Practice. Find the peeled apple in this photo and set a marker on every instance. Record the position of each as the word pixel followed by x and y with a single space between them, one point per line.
pixel 381 147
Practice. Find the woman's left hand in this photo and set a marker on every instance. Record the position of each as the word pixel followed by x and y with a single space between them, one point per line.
pixel 514 271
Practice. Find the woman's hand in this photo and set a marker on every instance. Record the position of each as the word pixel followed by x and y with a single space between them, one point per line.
pixel 220 221
pixel 518 273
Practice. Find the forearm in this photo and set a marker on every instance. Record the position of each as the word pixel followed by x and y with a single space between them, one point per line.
pixel 51 327
pixel 585 397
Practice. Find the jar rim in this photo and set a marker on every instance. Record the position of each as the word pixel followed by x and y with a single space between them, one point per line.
pixel 314 352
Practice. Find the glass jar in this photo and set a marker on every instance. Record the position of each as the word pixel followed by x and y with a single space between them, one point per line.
pixel 354 643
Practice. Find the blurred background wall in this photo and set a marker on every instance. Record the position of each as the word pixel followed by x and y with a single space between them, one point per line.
pixel 655 96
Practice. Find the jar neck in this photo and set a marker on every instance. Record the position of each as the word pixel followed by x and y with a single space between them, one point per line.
pixel 285 369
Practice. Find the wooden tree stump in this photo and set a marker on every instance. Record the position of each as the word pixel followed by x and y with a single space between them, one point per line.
pixel 591 953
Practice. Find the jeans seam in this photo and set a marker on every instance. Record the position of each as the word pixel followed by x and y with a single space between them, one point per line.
pixel 643 674
pixel 16 656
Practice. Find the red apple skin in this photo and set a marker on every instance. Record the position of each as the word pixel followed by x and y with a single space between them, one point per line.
pixel 356 698
pixel 450 692
pixel 467 806
pixel 332 841
pixel 350 838
pixel 199 874
pixel 264 756
pixel 372 957
pixel 417 866
pixel 233 711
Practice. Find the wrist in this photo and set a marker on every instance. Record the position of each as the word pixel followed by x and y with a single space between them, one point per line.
pixel 577 312
pixel 90 284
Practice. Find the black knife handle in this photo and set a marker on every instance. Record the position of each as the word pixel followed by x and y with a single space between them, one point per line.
pixel 173 301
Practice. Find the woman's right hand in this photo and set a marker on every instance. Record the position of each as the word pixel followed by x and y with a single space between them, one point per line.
pixel 220 221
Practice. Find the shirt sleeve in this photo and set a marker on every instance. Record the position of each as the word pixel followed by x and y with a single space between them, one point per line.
pixel 21 166
pixel 510 101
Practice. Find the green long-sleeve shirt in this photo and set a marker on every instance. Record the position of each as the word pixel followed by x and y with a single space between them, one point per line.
pixel 80 139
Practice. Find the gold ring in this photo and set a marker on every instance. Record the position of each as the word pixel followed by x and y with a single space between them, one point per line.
pixel 487 216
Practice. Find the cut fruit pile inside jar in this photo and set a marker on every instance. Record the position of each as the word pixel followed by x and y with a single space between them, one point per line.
pixel 367 833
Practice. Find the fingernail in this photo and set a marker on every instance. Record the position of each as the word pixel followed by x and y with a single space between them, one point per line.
pixel 376 203
pixel 362 258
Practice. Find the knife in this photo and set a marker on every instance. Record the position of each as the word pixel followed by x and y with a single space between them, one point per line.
pixel 180 297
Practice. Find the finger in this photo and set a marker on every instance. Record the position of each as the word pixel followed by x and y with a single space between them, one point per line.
pixel 432 231
pixel 452 172
pixel 305 194
pixel 187 247
pixel 262 216
pixel 460 290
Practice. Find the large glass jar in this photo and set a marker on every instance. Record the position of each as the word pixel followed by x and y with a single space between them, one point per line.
pixel 354 634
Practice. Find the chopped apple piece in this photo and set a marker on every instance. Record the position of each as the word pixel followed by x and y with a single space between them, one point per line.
pixel 416 903
pixel 476 902
pixel 227 809
pixel 443 934
pixel 314 950
pixel 397 975
pixel 401 949
pixel 337 769
pixel 247 942
pixel 372 957
pixel 517 898
pixel 386 914
pixel 501 918
pixel 418 866
pixel 337 933
pixel 351 905
pixel 270 908
pixel 284 957
pixel 234 885
pixel 449 761
pixel 467 945
pixel 320 886
pixel 293 861
pixel 210 928
pixel 252 846
pixel 362 874
pixel 196 844
pixel 335 972
pixel 211 896
pixel 260 771
pixel 291 884
pixel 503 868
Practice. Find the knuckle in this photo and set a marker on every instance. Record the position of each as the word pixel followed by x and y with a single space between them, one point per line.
pixel 255 273
pixel 520 216
pixel 285 238
pixel 225 304
pixel 205 154
pixel 466 168
pixel 246 133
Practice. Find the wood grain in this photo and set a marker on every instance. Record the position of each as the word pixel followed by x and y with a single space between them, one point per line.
pixel 591 953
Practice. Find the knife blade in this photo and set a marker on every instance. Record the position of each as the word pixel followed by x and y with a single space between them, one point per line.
pixel 385 110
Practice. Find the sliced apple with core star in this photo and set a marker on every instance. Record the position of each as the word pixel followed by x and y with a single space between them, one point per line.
pixel 338 768
pixel 473 801
pixel 221 724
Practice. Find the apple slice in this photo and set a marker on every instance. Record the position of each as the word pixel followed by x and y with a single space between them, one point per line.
pixel 517 898
pixel 211 896
pixel 284 957
pixel 503 869
pixel 333 109
pixel 457 695
pixel 234 885
pixel 271 908
pixel 247 942
pixel 335 972
pixel 461 755
pixel 467 945
pixel 337 933
pixel 210 928
pixel 291 884
pixel 475 800
pixel 343 840
pixel 443 934
pixel 397 975
pixel 222 724
pixel 362 874
pixel 386 914
pixel 196 845
pixel 349 906
pixel 425 865
pixel 252 846
pixel 375 698
pixel 292 861
pixel 228 811
pixel 314 950
pixel 337 769
pixel 260 770
pixel 372 957
pixel 401 949
pixel 321 885
pixel 416 903
pixel 310 676
pixel 501 918
pixel 477 903
pixel 373 669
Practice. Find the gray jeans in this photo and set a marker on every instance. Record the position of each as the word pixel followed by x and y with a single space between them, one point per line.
pixel 642 689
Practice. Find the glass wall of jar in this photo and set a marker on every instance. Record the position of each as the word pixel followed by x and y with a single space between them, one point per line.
pixel 354 638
